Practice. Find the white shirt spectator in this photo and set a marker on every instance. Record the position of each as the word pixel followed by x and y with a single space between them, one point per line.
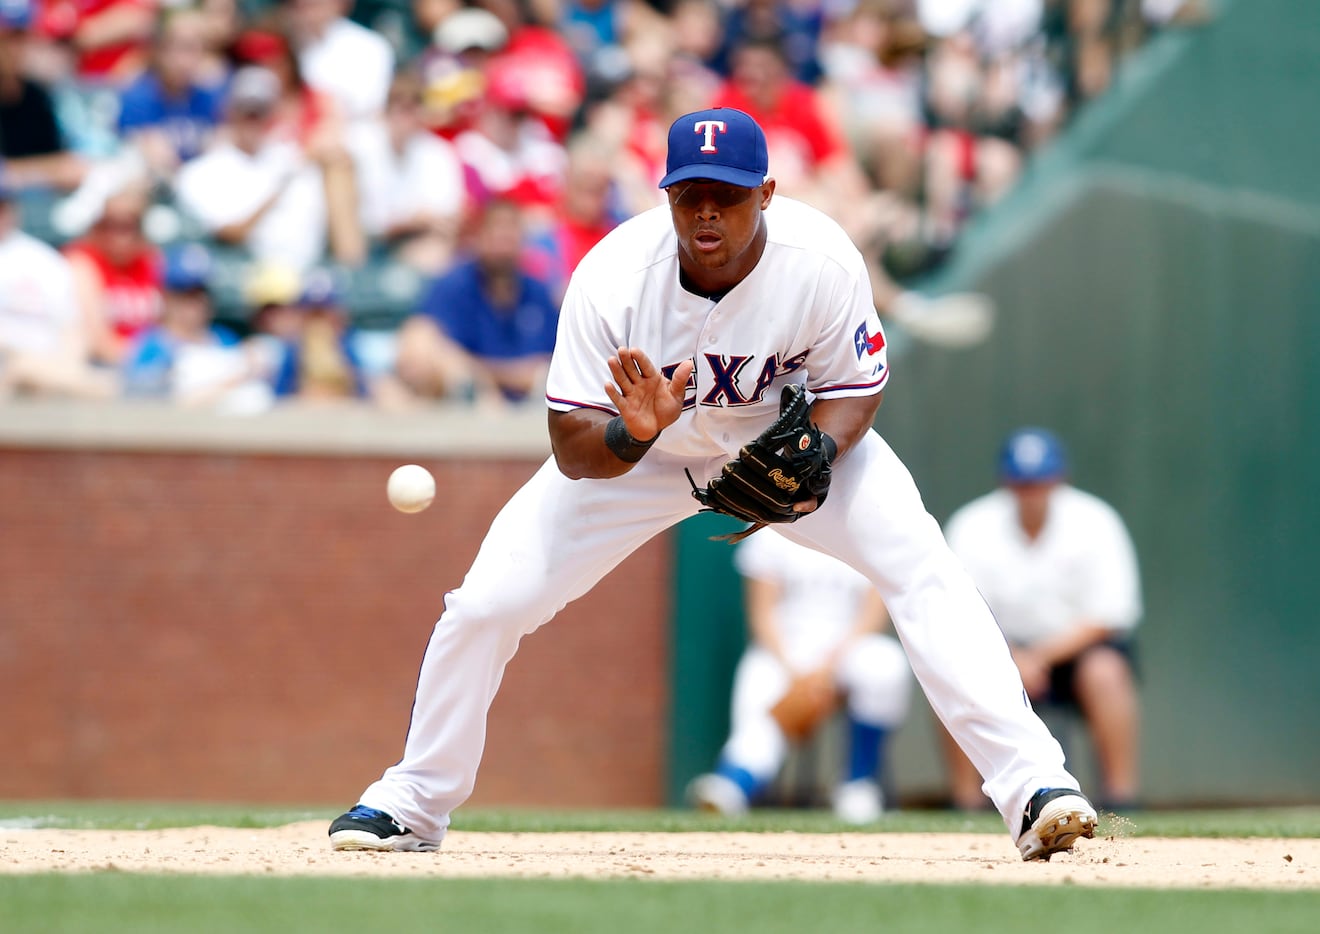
pixel 425 178
pixel 534 157
pixel 38 309
pixel 1082 565
pixel 227 185
pixel 352 64
pixel 999 25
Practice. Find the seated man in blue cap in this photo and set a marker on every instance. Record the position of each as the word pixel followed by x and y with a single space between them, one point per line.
pixel 321 362
pixel 187 357
pixel 1059 570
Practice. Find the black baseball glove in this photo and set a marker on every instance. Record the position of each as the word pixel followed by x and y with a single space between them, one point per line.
pixel 787 463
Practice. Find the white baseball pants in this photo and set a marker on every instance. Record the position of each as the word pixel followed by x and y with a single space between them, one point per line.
pixel 557 537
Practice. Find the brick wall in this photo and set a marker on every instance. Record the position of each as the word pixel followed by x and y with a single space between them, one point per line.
pixel 247 627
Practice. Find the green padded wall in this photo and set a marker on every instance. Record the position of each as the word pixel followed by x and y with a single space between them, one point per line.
pixel 709 633
pixel 1158 279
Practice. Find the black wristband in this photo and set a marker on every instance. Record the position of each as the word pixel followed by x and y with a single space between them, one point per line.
pixel 625 447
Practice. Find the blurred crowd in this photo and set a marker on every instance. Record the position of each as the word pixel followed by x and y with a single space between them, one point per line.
pixel 238 202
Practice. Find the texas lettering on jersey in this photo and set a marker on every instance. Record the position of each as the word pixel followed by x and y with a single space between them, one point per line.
pixel 805 314
pixel 727 375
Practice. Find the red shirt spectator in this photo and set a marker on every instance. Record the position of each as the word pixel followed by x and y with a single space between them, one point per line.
pixel 812 161
pixel 800 137
pixel 539 68
pixel 117 276
pixel 510 153
pixel 587 211
pixel 112 37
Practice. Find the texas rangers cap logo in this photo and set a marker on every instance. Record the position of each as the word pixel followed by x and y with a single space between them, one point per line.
pixel 720 144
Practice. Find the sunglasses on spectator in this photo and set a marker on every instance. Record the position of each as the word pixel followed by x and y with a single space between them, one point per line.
pixel 694 194
pixel 131 224
pixel 183 45
pixel 252 111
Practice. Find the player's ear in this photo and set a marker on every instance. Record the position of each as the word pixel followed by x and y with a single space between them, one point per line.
pixel 767 192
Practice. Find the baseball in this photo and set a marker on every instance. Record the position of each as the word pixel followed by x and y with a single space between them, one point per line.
pixel 411 488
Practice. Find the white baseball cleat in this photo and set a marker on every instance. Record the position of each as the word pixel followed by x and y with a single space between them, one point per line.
pixel 364 828
pixel 717 794
pixel 1053 821
pixel 858 802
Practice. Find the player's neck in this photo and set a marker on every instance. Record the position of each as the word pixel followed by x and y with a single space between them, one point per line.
pixel 689 285
pixel 1033 523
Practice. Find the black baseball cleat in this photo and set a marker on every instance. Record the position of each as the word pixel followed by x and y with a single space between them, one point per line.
pixel 364 828
pixel 1053 820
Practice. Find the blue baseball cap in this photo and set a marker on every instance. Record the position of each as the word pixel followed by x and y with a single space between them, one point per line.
pixel 1032 455
pixel 321 289
pixel 15 14
pixel 187 266
pixel 721 144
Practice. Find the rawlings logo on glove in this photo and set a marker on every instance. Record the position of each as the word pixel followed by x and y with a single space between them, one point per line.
pixel 784 483
pixel 787 463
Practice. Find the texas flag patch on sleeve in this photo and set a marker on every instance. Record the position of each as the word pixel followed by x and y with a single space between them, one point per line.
pixel 866 343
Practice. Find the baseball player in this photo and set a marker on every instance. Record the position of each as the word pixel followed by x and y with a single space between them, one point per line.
pixel 1057 566
pixel 678 333
pixel 816 632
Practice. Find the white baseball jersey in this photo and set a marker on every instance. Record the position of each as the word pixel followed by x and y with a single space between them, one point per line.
pixel 1082 565
pixel 801 316
pixel 820 596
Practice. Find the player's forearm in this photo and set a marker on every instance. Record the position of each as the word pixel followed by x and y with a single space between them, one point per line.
pixel 846 420
pixel 577 439
pixel 238 232
pixel 62 170
pixel 872 616
pixel 1070 644
pixel 768 637
pixel 762 597
pixel 122 23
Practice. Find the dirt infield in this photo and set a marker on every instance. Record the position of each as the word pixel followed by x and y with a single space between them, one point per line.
pixel 302 849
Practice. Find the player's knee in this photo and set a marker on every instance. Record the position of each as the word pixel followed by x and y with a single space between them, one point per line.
pixel 1102 670
pixel 514 610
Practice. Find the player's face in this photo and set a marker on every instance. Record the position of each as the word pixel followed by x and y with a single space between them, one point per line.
pixel 721 231
pixel 1033 500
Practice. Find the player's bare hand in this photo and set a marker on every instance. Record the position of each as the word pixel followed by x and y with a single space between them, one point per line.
pixel 648 402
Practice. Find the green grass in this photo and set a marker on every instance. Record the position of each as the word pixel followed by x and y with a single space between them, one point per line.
pixel 120 904
pixel 127 903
